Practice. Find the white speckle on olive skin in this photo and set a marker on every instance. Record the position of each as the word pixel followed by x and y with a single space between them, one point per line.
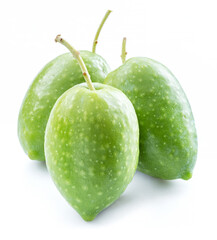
pixel 86 151
pixel 78 200
pixel 82 173
pixel 85 187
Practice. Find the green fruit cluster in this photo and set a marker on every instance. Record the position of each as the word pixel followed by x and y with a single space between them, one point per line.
pixel 94 135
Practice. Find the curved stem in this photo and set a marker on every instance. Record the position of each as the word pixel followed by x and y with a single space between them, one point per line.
pixel 78 57
pixel 123 53
pixel 95 41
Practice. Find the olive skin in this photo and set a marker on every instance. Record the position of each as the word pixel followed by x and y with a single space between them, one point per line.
pixel 52 81
pixel 168 138
pixel 92 146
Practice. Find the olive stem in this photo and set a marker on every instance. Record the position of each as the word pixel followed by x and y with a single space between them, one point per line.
pixel 95 41
pixel 78 57
pixel 123 53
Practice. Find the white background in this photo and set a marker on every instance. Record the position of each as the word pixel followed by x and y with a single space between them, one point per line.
pixel 180 34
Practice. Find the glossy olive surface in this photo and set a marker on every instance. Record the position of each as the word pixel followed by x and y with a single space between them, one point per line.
pixel 168 139
pixel 92 146
pixel 52 81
